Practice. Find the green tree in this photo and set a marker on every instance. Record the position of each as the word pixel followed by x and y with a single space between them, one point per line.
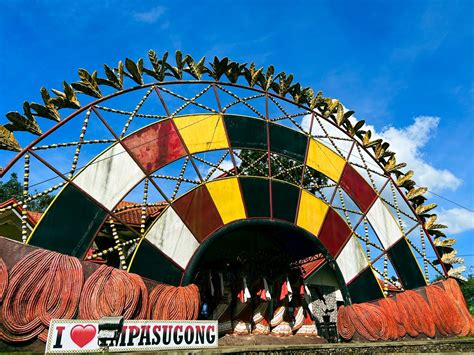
pixel 14 189
pixel 467 289
pixel 255 163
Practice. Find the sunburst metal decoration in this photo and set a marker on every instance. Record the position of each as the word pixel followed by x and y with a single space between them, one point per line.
pixel 192 134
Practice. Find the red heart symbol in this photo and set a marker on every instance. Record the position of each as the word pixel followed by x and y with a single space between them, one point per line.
pixel 82 335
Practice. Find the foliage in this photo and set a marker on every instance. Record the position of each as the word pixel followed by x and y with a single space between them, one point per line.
pixel 467 289
pixel 13 189
pixel 255 163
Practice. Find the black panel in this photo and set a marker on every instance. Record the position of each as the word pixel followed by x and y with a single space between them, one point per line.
pixel 256 196
pixel 406 266
pixel 151 263
pixel 285 200
pixel 365 287
pixel 287 141
pixel 70 224
pixel 246 132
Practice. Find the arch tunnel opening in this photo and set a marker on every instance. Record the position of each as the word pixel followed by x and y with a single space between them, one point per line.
pixel 263 248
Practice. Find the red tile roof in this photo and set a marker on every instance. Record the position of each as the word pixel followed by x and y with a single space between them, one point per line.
pixel 32 217
pixel 130 216
pixel 311 266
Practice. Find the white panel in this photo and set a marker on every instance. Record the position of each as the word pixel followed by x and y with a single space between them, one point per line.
pixel 384 224
pixel 352 259
pixel 172 237
pixel 110 176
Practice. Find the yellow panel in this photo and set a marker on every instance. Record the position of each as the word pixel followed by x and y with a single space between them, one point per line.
pixel 202 132
pixel 324 160
pixel 227 198
pixel 311 212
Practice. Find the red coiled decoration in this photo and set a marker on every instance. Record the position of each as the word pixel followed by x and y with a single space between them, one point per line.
pixel 111 292
pixel 174 303
pixel 43 285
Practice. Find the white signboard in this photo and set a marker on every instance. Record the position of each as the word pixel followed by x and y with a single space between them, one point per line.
pixel 74 336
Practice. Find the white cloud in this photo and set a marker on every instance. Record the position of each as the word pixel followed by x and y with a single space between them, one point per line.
pixel 408 143
pixel 457 219
pixel 225 165
pixel 150 16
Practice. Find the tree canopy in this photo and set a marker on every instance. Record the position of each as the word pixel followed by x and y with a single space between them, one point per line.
pixel 14 189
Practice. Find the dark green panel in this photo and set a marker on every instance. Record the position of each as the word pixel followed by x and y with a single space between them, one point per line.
pixel 287 141
pixel 70 224
pixel 406 266
pixel 151 263
pixel 256 196
pixel 246 132
pixel 365 287
pixel 285 200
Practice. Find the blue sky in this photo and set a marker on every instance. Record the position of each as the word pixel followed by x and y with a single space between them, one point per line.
pixel 406 67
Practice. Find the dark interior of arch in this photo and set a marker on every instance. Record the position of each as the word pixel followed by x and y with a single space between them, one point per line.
pixel 256 247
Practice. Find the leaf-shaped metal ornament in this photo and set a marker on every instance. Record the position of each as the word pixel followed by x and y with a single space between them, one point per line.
pixel 422 209
pixel 431 221
pixel 22 123
pixel 88 84
pixel 297 94
pixel 445 243
pixel 402 179
pixel 415 192
pixel 177 71
pixel 27 110
pixel 348 114
pixel 219 68
pixel 452 258
pixel 196 69
pixel 46 97
pixel 8 140
pixel 392 165
pixel 154 63
pixel 340 114
pixel 358 125
pixel 366 138
pixel 378 151
pixel 71 95
pixel 47 112
pixel 159 66
pixel 256 77
pixel 85 89
pixel 436 233
pixel 457 273
pixel 266 81
pixel 317 101
pixel 284 83
pixel 66 99
pixel 437 226
pixel 134 70
pixel 308 95
pixel 234 71
pixel 112 79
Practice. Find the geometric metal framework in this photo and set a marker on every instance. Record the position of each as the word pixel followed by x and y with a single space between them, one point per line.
pixel 186 154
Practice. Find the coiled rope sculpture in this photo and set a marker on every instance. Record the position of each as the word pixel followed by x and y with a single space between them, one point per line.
pixel 45 285
pixel 443 312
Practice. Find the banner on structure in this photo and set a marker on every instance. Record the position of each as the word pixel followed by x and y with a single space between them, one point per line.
pixel 75 336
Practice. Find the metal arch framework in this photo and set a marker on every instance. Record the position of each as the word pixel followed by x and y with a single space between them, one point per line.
pixel 373 209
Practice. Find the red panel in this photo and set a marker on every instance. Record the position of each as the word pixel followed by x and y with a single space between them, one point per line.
pixel 334 232
pixel 357 188
pixel 156 145
pixel 198 211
